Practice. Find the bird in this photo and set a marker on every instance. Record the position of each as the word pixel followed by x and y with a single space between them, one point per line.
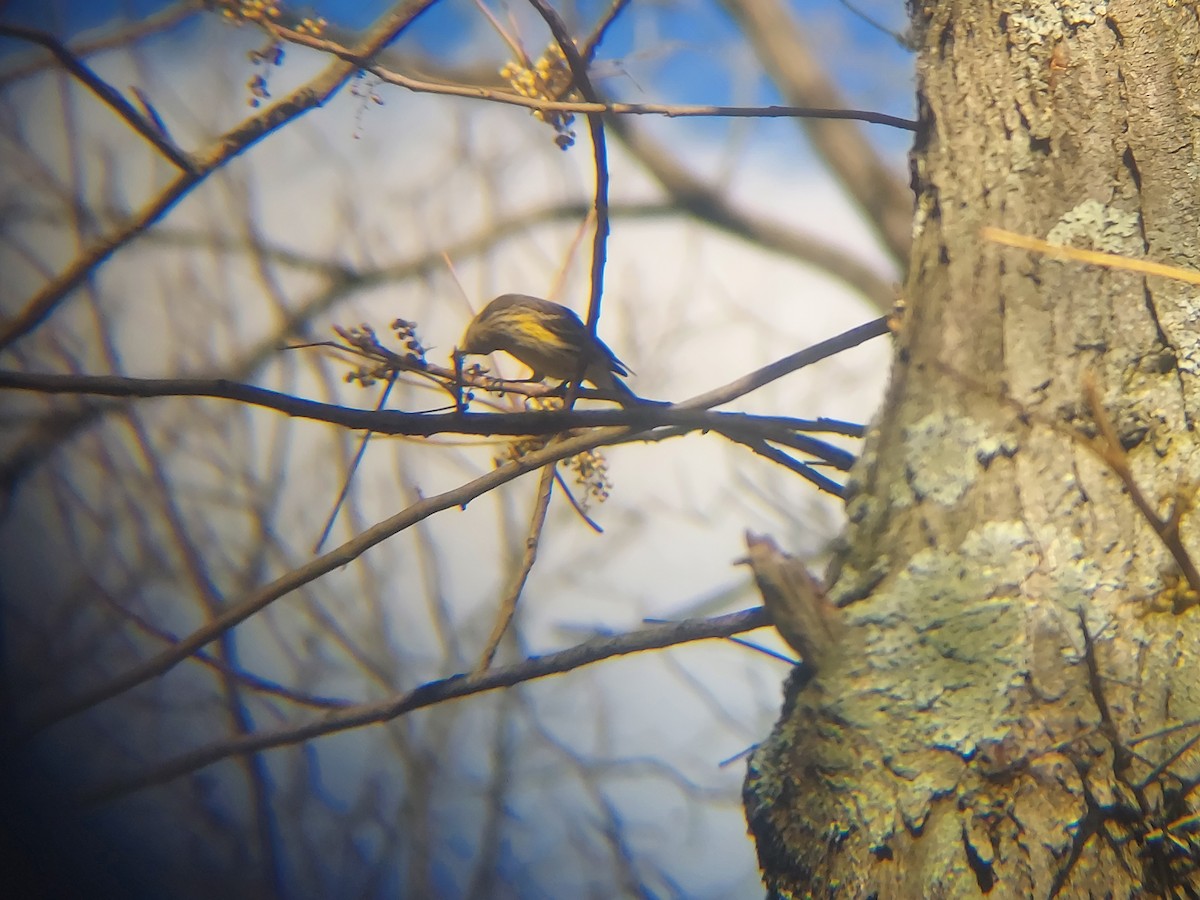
pixel 550 339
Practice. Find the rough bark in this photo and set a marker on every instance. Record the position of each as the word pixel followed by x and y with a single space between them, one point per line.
pixel 1013 624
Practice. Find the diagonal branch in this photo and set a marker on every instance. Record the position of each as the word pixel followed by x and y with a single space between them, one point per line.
pixel 508 605
pixel 109 95
pixel 434 692
pixel 700 199
pixel 777 41
pixel 122 35
pixel 798 360
pixel 258 600
pixel 1110 450
pixel 232 143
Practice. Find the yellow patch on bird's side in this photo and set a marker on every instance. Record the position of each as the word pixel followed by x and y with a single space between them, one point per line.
pixel 536 331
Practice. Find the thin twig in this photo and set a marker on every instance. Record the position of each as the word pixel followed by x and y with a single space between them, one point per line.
pixel 588 52
pixel 508 605
pixel 905 42
pixel 798 360
pixel 583 84
pixel 109 95
pixel 513 43
pixel 436 692
pixel 1116 459
pixel 1090 257
pixel 258 600
pixel 354 464
pixel 667 110
pixel 1157 772
pixel 240 610
pixel 775 455
pixel 42 304
pixel 248 680
pixel 122 35
pixel 1164 732
pixel 575 504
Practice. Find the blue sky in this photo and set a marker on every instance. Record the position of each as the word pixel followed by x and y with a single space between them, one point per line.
pixel 445 28
pixel 692 35
pixel 79 15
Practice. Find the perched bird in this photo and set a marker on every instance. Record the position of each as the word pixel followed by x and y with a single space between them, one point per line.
pixel 550 339
pixel 802 612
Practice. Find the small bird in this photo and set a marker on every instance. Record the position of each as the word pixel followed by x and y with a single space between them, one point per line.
pixel 550 339
pixel 800 608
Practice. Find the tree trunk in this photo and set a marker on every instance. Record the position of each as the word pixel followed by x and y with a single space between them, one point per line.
pixel 1014 624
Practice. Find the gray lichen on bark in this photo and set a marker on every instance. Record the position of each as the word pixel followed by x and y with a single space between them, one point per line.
pixel 976 733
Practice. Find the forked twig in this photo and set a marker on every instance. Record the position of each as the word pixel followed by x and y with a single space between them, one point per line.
pixel 1113 454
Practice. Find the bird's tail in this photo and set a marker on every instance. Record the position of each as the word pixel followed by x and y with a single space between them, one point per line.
pixel 605 379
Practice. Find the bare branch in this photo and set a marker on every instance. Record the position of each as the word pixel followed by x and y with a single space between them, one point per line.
pixel 880 192
pixel 352 549
pixel 1167 529
pixel 699 198
pixel 123 35
pixel 694 413
pixel 777 456
pixel 541 104
pixel 800 359
pixel 142 124
pixel 508 604
pixel 583 84
pixel 314 94
pixel 435 692
pixel 240 610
